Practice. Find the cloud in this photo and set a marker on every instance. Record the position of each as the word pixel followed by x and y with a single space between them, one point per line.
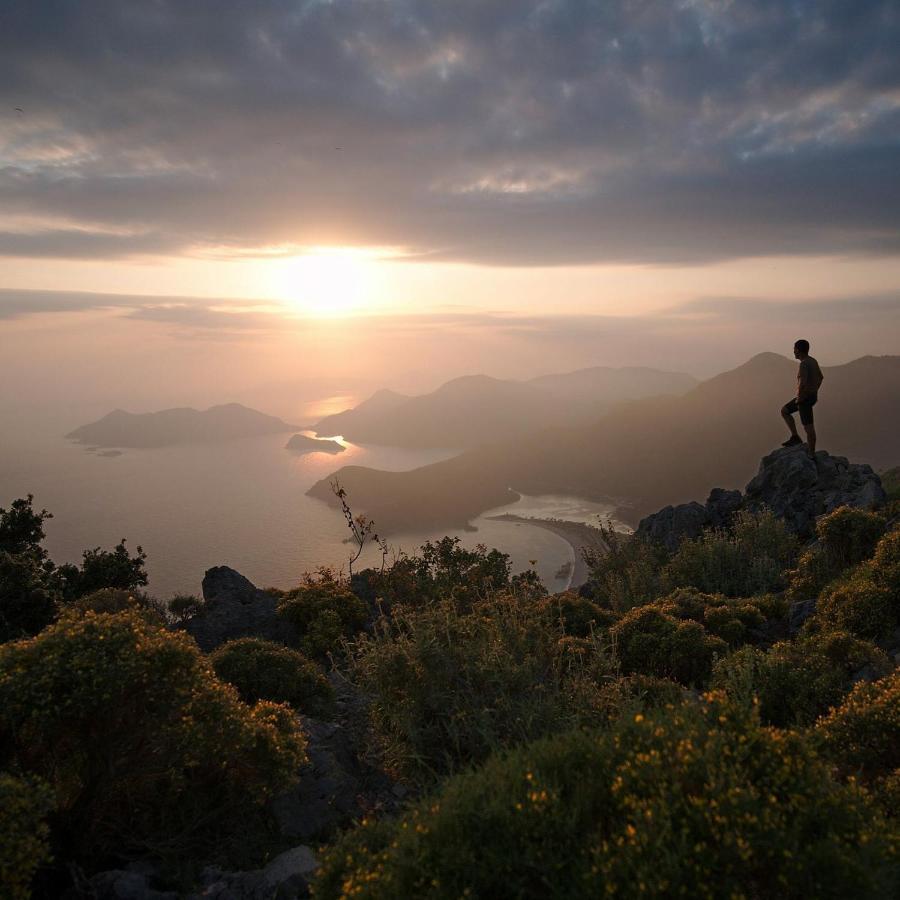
pixel 540 132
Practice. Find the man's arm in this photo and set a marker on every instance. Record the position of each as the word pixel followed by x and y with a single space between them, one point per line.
pixel 803 385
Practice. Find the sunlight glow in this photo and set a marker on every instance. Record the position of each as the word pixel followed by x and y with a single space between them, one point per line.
pixel 326 281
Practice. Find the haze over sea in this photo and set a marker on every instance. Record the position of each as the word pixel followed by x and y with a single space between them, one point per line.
pixel 240 503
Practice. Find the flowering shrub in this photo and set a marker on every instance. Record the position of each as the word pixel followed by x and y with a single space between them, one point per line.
pixel 576 615
pixel 24 804
pixel 261 670
pixel 649 641
pixel 867 601
pixel 146 751
pixel 323 610
pixel 448 687
pixel 846 537
pixel 863 733
pixel 795 682
pixel 696 800
pixel 733 620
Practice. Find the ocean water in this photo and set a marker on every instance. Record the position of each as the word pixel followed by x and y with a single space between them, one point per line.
pixel 242 503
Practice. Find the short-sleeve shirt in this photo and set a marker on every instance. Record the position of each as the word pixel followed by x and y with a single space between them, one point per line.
pixel 809 377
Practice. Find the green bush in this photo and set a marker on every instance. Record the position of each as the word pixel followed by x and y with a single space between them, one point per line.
pixel 440 570
pixel 627 573
pixel 447 687
pixel 24 805
pixel 846 537
pixel 324 611
pixel 28 600
pixel 745 559
pixel 696 801
pixel 649 641
pixel 797 681
pixel 115 568
pixel 576 615
pixel 183 607
pixel 736 621
pixel 261 670
pixel 866 600
pixel 145 750
pixel 863 734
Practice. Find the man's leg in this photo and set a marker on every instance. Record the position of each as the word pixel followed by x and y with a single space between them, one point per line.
pixel 810 430
pixel 786 411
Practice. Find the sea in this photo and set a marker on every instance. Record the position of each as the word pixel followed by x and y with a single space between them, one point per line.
pixel 243 504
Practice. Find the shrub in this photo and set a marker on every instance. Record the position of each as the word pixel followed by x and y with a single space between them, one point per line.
pixel 183 607
pixel 146 751
pixel 576 615
pixel 27 599
pixel 736 621
pixel 863 734
pixel 649 641
pixel 440 570
pixel 261 670
pixel 866 601
pixel 24 805
pixel 747 558
pixel 694 801
pixel 323 610
pixel 627 574
pixel 448 687
pixel 100 569
pixel 797 681
pixel 846 537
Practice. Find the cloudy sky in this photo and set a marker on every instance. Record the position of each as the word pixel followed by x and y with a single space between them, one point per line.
pixel 688 182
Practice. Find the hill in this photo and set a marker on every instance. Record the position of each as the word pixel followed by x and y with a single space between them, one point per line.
pixel 178 426
pixel 468 411
pixel 647 453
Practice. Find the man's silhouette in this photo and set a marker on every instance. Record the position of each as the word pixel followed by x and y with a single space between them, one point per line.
pixel 809 379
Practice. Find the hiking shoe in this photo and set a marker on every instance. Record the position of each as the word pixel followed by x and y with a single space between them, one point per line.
pixel 792 441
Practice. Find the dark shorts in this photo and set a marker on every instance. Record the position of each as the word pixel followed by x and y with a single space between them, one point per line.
pixel 804 407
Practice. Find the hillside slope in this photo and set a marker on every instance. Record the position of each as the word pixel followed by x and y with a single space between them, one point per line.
pixel 647 453
pixel 468 411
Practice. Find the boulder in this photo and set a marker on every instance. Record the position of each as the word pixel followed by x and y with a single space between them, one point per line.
pixel 798 489
pixel 122 884
pixel 673 524
pixel 233 608
pixel 287 877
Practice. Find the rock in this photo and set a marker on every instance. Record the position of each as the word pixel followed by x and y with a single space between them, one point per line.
pixel 286 877
pixel 234 607
pixel 340 783
pixel 119 884
pixel 673 524
pixel 799 489
pixel 796 488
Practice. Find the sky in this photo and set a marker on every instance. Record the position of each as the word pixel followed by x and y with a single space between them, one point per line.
pixel 351 193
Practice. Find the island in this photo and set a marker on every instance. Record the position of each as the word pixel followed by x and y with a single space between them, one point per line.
pixel 178 426
pixel 301 443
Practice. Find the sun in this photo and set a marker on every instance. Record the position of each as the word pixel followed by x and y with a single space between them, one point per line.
pixel 326 281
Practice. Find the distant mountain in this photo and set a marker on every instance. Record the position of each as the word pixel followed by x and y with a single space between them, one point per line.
pixel 646 453
pixel 178 426
pixel 468 411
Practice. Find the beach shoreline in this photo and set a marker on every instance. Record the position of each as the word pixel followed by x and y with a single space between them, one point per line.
pixel 577 534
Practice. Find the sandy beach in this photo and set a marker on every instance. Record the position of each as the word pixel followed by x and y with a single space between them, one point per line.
pixel 577 534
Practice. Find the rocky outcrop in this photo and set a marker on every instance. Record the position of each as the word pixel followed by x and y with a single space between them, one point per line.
pixel 795 487
pixel 673 524
pixel 234 607
pixel 799 489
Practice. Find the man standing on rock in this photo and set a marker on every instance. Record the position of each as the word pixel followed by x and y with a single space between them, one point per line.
pixel 809 379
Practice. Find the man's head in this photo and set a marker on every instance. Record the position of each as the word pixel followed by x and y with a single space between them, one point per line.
pixel 801 349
